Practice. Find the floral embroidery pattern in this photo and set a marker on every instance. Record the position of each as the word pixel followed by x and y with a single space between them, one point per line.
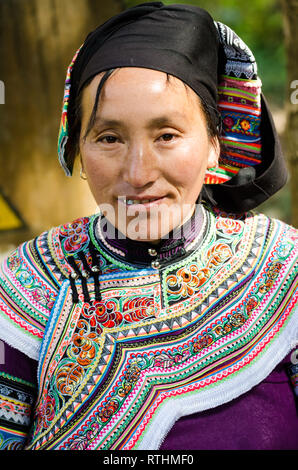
pixel 188 280
pixel 163 360
pixel 236 123
pixel 45 413
pixel 168 359
pixel 115 312
pixel 121 360
pixel 75 235
pixel 102 314
pixel 218 254
pixel 229 226
pixel 83 348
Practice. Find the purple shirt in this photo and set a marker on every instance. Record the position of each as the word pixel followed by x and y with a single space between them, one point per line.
pixel 265 418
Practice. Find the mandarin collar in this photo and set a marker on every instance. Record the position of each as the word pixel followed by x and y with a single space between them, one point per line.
pixel 179 243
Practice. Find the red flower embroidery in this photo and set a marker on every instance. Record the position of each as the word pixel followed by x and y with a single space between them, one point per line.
pixel 228 121
pixel 109 409
pixel 46 412
pixel 218 254
pixel 76 235
pixel 245 125
pixel 251 305
pixel 107 316
pixel 228 226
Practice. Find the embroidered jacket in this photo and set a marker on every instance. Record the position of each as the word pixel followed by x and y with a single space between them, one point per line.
pixel 129 337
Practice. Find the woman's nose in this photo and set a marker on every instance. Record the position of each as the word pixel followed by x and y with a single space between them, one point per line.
pixel 140 165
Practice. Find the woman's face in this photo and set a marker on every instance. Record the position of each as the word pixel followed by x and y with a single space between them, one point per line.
pixel 146 155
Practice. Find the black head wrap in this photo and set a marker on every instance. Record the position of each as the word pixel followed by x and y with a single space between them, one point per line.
pixel 183 41
pixel 177 39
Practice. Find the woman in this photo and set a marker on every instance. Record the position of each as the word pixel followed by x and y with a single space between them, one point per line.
pixel 166 321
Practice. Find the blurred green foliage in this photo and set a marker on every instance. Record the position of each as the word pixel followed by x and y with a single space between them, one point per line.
pixel 259 23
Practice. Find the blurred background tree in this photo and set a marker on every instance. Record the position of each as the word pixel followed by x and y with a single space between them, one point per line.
pixel 37 41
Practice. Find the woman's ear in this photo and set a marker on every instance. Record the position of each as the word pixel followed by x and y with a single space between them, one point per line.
pixel 82 171
pixel 214 153
pixel 81 161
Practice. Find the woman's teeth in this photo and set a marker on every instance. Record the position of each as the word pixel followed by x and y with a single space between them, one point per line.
pixel 130 202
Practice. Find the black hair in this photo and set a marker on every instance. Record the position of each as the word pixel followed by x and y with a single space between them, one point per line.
pixel 75 118
pixel 106 75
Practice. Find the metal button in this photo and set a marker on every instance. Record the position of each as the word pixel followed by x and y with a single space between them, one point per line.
pixel 95 269
pixel 152 252
pixel 155 264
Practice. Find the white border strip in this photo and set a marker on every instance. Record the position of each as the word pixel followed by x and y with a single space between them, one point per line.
pixel 18 339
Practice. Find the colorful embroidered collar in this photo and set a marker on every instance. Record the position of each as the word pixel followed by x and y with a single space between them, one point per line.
pixel 116 373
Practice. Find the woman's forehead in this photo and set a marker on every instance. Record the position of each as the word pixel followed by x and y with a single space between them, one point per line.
pixel 141 84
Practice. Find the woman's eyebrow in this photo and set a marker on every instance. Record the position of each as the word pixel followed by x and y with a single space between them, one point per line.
pixel 100 122
pixel 169 119
pixel 106 122
pixel 154 122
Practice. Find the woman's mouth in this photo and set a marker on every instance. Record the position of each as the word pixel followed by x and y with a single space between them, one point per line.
pixel 130 202
pixel 141 203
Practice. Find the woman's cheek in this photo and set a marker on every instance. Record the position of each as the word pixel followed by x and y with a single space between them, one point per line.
pixel 96 163
pixel 188 170
pixel 100 177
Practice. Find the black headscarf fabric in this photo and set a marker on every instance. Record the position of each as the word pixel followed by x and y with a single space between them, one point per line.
pixel 176 39
pixel 183 41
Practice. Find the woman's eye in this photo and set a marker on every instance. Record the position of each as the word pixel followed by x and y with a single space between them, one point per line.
pixel 167 137
pixel 108 139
